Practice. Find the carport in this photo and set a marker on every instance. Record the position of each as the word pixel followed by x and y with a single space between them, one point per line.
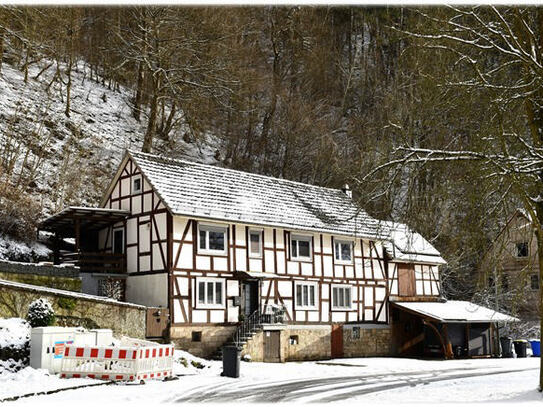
pixel 449 329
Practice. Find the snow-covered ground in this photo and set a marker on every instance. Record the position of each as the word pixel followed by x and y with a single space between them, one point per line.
pixel 367 380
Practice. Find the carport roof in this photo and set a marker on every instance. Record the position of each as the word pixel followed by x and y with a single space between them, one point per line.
pixel 454 312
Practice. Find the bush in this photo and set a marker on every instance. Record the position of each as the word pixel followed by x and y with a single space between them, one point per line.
pixel 40 313
pixel 67 303
pixel 14 344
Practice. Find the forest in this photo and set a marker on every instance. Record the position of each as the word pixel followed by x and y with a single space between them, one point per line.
pixel 433 116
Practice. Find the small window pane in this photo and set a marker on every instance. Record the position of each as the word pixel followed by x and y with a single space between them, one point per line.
pixel 312 296
pixel 210 293
pixel 137 185
pixel 336 250
pixel 216 240
pixel 294 248
pixel 218 293
pixel 522 249
pixel 347 297
pixel 255 243
pixel 346 252
pixel 299 295
pixel 303 247
pixel 306 295
pixel 341 298
pixel 203 234
pixel 201 292
pixel 534 283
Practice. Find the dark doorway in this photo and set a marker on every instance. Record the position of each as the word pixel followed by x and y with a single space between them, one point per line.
pixel 118 241
pixel 406 280
pixel 250 297
pixel 272 346
pixel 337 341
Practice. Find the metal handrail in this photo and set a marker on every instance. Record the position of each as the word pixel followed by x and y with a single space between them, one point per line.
pixel 247 327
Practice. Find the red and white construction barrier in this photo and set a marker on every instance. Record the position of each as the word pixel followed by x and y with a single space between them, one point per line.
pixel 118 363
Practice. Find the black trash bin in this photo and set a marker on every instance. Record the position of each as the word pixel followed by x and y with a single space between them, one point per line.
pixel 231 356
pixel 520 348
pixel 507 347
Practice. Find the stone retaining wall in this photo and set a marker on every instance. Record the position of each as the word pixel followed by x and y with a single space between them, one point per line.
pixel 74 308
pixel 61 277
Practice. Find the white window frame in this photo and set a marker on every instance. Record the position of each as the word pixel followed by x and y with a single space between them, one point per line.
pixel 306 238
pixel 343 242
pixel 212 228
pixel 338 307
pixel 260 232
pixel 205 304
pixel 140 189
pixel 308 307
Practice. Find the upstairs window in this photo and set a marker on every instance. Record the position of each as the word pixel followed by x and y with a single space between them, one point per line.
pixel 522 249
pixel 343 251
pixel 136 185
pixel 306 295
pixel 210 292
pixel 341 297
pixel 534 282
pixel 212 239
pixel 255 243
pixel 300 247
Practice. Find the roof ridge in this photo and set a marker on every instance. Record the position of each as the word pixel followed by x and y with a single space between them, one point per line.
pixel 183 161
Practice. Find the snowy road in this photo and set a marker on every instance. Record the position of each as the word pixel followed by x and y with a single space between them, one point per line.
pixel 373 380
pixel 332 389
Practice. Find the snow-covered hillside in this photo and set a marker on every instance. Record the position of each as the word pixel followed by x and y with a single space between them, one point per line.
pixel 79 153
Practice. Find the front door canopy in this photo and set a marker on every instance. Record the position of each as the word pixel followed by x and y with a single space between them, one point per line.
pixel 62 223
pixel 453 312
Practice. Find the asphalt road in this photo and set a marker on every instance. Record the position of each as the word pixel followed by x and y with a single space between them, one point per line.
pixel 328 389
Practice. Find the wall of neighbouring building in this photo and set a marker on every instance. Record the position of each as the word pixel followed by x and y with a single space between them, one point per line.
pixel 74 309
pixel 61 277
pixel 367 340
pixel 211 338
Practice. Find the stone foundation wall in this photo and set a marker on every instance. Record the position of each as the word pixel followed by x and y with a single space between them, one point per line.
pixel 373 340
pixel 212 338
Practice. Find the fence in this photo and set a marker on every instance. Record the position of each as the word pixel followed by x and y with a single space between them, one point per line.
pixel 125 363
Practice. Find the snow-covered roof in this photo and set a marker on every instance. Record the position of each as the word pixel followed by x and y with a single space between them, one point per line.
pixel 89 217
pixel 455 311
pixel 407 245
pixel 206 191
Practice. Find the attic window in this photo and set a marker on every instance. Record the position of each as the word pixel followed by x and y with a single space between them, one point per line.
pixel 522 249
pixel 136 185
pixel 343 251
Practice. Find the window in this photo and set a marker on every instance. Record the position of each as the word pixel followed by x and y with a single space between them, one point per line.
pixel 210 292
pixel 294 340
pixel 534 282
pixel 196 336
pixel 255 243
pixel 136 185
pixel 343 251
pixel 300 247
pixel 356 332
pixel 118 241
pixel 212 239
pixel 522 249
pixel 306 295
pixel 341 297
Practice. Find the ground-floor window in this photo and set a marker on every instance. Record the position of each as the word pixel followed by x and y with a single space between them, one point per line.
pixel 210 292
pixel 306 295
pixel 341 297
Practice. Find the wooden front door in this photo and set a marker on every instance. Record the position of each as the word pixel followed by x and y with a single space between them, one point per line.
pixel 272 346
pixel 157 322
pixel 406 280
pixel 337 341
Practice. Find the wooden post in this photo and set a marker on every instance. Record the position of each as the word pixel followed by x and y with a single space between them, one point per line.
pixel 77 235
pixel 448 345
pixel 467 339
pixel 56 249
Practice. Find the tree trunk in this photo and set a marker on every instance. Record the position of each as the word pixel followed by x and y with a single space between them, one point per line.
pixel 68 88
pixel 139 92
pixel 1 48
pixel 151 124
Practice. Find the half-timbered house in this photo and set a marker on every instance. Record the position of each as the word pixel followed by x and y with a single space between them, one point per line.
pixel 289 270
